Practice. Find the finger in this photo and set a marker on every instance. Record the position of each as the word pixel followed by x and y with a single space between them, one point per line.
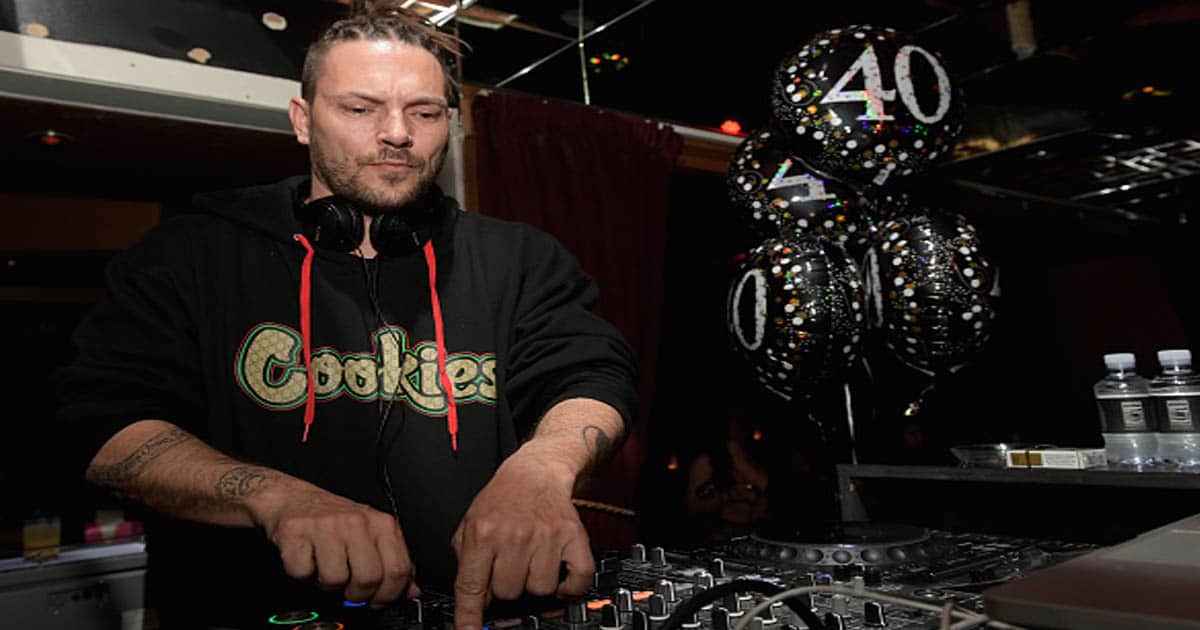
pixel 397 565
pixel 511 568
pixel 543 570
pixel 333 571
pixel 297 557
pixel 471 585
pixel 577 553
pixel 366 567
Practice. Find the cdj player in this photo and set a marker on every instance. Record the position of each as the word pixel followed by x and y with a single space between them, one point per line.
pixel 853 575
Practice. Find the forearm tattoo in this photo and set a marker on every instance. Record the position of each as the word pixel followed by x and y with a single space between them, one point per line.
pixel 240 483
pixel 128 469
pixel 597 441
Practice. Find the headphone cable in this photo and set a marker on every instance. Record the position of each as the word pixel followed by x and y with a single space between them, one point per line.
pixel 385 409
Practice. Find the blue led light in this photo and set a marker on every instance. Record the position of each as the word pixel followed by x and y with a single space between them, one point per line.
pixel 350 604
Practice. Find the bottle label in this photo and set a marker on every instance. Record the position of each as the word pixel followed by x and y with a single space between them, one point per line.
pixel 1124 415
pixel 1178 414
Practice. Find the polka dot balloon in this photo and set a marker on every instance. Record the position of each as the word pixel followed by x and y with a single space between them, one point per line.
pixel 865 104
pixel 796 312
pixel 935 290
pixel 778 194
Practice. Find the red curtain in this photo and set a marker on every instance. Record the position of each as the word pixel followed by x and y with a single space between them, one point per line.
pixel 598 181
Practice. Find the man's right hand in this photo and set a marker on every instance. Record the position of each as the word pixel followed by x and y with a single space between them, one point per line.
pixel 343 544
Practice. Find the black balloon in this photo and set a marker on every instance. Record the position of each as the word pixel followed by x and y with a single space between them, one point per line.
pixel 796 313
pixel 935 289
pixel 779 195
pixel 866 104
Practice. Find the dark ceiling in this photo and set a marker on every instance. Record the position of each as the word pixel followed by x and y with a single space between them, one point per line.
pixel 1105 100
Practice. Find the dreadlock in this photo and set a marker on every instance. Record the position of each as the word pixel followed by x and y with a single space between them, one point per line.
pixel 383 20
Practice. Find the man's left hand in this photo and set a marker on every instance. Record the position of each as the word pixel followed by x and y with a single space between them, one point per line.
pixel 516 534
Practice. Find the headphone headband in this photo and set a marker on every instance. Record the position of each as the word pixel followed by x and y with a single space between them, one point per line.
pixel 336 223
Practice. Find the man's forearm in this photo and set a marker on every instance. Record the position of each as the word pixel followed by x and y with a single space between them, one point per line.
pixel 173 472
pixel 577 434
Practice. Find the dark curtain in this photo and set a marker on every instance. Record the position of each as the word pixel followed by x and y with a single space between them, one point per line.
pixel 597 181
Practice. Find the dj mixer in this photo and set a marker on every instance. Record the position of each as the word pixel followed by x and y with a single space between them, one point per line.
pixel 857 576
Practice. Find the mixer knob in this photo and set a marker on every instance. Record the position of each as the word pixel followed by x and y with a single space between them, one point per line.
pixel 756 623
pixel 873 576
pixel 718 567
pixel 873 615
pixel 637 553
pixel 721 619
pixel 639 621
pixel 691 621
pixel 704 578
pixel 577 611
pixel 658 607
pixel 417 611
pixel 834 621
pixel 840 605
pixel 733 604
pixel 804 600
pixel 623 599
pixel 658 557
pixel 666 588
pixel 530 622
pixel 790 626
pixel 842 573
pixel 698 591
pixel 609 618
pixel 767 615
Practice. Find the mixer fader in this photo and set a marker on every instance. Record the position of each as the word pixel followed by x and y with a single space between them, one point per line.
pixel 860 576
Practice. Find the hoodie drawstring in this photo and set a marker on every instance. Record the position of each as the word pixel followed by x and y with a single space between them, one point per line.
pixel 440 336
pixel 310 403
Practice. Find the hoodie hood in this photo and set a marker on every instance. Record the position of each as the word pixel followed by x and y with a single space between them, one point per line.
pixel 271 209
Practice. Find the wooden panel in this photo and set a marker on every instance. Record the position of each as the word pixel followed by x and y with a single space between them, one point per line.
pixel 36 223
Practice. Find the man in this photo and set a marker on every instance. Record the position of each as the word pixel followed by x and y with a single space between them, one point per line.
pixel 293 414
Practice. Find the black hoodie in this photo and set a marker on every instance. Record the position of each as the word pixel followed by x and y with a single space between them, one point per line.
pixel 201 327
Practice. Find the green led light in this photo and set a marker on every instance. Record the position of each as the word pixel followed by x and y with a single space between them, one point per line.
pixel 289 618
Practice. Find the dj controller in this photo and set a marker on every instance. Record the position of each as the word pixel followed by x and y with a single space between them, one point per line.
pixel 858 576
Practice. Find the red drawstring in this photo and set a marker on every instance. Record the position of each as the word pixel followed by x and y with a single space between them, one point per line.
pixel 310 404
pixel 440 335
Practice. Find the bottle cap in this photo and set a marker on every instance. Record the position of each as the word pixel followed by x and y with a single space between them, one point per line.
pixel 1120 361
pixel 1175 357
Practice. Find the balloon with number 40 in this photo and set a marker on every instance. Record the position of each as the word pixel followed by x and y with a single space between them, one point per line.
pixel 865 104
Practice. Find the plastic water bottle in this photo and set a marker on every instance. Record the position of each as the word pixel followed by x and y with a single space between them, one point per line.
pixel 1175 393
pixel 1123 400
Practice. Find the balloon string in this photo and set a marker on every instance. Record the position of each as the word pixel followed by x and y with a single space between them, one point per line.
pixel 850 424
pixel 874 285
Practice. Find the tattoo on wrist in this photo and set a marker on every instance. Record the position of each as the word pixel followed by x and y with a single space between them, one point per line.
pixel 240 483
pixel 597 441
pixel 128 469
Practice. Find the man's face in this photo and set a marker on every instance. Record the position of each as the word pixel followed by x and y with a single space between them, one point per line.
pixel 378 123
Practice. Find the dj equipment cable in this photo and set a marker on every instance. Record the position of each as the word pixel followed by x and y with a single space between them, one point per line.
pixel 693 605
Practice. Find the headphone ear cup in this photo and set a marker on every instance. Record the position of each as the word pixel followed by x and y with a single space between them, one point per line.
pixel 391 235
pixel 331 223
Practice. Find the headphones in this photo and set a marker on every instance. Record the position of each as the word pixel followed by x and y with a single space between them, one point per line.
pixel 335 223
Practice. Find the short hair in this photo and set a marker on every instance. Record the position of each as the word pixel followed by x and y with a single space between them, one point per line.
pixel 384 20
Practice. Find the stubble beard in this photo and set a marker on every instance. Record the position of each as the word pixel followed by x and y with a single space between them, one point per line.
pixel 347 178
